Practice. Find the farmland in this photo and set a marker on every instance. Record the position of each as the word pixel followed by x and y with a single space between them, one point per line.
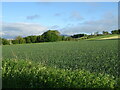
pixel 98 57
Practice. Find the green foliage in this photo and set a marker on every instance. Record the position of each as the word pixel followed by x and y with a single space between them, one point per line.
pixel 21 41
pixel 5 42
pixel 18 40
pixel 69 39
pixel 0 41
pixel 63 38
pixel 56 32
pixel 54 35
pixel 78 35
pixel 39 39
pixel 27 39
pixel 96 33
pixel 15 41
pixel 50 36
pixel 116 31
pixel 27 74
pixel 33 39
pixel 105 32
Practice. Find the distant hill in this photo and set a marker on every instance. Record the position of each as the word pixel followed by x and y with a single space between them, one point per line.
pixel 65 35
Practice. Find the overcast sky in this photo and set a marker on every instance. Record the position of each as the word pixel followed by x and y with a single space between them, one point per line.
pixel 34 18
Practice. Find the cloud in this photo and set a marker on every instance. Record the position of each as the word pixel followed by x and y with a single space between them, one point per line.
pixel 1 17
pixel 1 33
pixel 57 14
pixel 107 22
pixel 75 16
pixel 32 17
pixel 12 30
pixel 43 3
pixel 93 4
pixel 54 27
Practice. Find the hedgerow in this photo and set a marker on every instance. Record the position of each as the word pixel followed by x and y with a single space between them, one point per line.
pixel 27 74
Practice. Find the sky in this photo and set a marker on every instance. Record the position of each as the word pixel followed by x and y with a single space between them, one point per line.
pixel 34 18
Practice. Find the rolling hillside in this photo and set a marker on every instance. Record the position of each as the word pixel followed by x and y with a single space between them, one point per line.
pixel 113 36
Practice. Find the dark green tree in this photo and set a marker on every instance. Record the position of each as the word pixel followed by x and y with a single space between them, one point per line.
pixel 0 41
pixel 62 38
pixel 78 35
pixel 105 32
pixel 5 42
pixel 96 33
pixel 39 39
pixel 27 39
pixel 21 41
pixel 56 32
pixel 50 36
pixel 15 41
pixel 33 39
pixel 18 40
pixel 116 31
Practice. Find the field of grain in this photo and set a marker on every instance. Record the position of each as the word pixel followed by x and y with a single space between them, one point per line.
pixel 114 37
pixel 100 57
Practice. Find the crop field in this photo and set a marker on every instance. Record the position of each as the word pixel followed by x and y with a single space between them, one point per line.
pixel 92 58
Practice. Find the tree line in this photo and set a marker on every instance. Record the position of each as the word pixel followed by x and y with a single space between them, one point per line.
pixel 50 36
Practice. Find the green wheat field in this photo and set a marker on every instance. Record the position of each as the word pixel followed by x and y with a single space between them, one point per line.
pixel 70 64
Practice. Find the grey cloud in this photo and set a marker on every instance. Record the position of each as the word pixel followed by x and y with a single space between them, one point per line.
pixel 43 3
pixel 32 17
pixel 93 4
pixel 108 22
pixel 57 14
pixel 54 27
pixel 11 30
pixel 108 19
pixel 75 16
